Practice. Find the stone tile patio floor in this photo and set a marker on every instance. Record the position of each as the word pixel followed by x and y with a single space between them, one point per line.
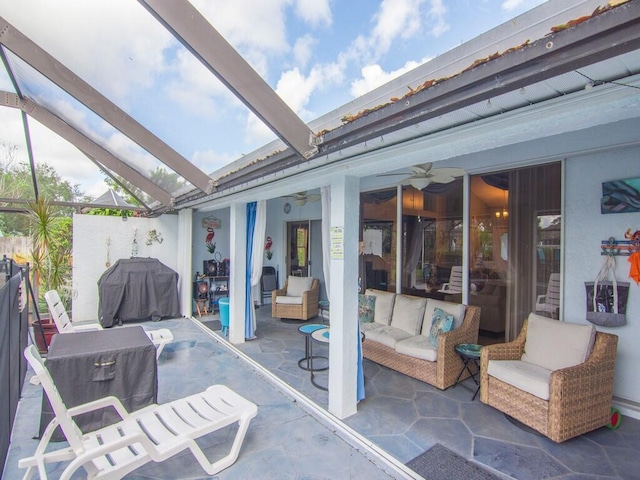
pixel 293 437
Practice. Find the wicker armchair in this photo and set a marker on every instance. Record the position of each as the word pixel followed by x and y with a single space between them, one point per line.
pixel 304 310
pixel 579 396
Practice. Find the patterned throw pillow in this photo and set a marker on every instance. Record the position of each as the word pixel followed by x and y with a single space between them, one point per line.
pixel 366 308
pixel 441 322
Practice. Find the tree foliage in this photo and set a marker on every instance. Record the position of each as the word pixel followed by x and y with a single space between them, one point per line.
pixel 16 183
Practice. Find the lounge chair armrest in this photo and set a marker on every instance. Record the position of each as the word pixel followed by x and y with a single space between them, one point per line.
pixel 579 379
pixel 89 327
pixel 109 401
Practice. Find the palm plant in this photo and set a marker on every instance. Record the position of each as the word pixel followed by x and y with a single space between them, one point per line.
pixel 50 247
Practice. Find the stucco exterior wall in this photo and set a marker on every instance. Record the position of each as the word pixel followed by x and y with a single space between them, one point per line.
pixel 90 236
pixel 585 228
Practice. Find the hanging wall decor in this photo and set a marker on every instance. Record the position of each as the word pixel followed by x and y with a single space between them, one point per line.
pixel 620 196
pixel 267 248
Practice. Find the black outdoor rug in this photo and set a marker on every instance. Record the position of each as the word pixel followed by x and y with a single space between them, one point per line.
pixel 440 463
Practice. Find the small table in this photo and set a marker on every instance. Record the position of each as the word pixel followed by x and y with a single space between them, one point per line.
pixel 86 366
pixel 469 352
pixel 321 335
pixel 306 363
pixel 323 306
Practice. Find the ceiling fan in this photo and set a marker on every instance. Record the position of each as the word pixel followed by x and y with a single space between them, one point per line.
pixel 423 175
pixel 302 198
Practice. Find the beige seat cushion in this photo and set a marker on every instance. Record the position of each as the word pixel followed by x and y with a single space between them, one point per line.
pixel 455 309
pixel 387 335
pixel 418 347
pixel 553 344
pixel 408 312
pixel 525 376
pixel 296 286
pixel 365 327
pixel 383 307
pixel 281 299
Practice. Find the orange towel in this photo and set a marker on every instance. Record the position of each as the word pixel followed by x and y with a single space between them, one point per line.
pixel 634 271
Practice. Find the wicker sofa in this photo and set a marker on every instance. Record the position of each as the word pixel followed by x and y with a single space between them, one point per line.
pixel 562 387
pixel 398 337
pixel 297 299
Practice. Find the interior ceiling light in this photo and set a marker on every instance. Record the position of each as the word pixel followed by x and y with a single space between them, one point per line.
pixel 419 182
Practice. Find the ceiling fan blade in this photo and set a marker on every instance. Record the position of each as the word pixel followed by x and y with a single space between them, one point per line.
pixel 421 169
pixel 393 174
pixel 442 178
pixel 314 197
pixel 449 171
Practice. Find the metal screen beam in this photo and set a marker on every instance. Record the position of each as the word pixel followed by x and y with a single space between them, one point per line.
pixel 184 21
pixel 55 71
pixel 85 145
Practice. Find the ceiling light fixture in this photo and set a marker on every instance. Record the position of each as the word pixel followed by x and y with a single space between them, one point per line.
pixel 419 182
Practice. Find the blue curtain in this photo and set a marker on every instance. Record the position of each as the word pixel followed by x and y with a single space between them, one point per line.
pixel 360 372
pixel 249 331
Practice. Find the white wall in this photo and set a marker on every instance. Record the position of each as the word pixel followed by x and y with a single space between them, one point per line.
pixel 585 228
pixel 277 230
pixel 221 238
pixel 90 234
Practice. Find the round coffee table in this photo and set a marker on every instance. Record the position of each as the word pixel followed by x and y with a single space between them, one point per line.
pixel 320 335
pixel 469 352
pixel 306 363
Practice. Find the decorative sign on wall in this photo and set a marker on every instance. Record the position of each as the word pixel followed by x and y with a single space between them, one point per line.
pixel 620 196
pixel 211 222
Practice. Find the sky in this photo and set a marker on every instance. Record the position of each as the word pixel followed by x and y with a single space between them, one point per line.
pixel 316 54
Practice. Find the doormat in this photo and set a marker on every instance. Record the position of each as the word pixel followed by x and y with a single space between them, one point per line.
pixel 440 463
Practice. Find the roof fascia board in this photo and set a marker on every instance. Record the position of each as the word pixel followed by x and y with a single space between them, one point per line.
pixel 189 27
pixel 604 36
pixel 605 104
pixel 55 71
pixel 86 145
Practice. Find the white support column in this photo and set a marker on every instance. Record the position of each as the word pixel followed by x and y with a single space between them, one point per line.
pixel 185 250
pixel 399 239
pixel 238 267
pixel 343 347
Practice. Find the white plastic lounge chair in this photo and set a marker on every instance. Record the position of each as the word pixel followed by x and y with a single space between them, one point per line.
pixel 159 337
pixel 454 285
pixel 549 303
pixel 154 433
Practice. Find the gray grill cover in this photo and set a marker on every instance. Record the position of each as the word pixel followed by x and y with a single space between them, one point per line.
pixel 137 289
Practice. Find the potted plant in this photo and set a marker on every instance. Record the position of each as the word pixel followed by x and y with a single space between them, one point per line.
pixel 51 239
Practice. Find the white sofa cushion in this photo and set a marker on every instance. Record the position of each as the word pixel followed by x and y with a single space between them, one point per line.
pixel 531 378
pixel 384 305
pixel 408 312
pixel 553 344
pixel 455 309
pixel 365 327
pixel 418 347
pixel 289 300
pixel 386 335
pixel 296 286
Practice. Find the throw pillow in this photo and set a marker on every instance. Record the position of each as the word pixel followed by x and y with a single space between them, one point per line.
pixel 441 322
pixel 366 308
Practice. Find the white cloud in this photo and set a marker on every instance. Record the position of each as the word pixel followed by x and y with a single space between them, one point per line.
pixel 396 18
pixel 303 49
pixel 509 5
pixel 374 76
pixel 314 12
pixel 437 13
pixel 117 36
pixel 210 161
